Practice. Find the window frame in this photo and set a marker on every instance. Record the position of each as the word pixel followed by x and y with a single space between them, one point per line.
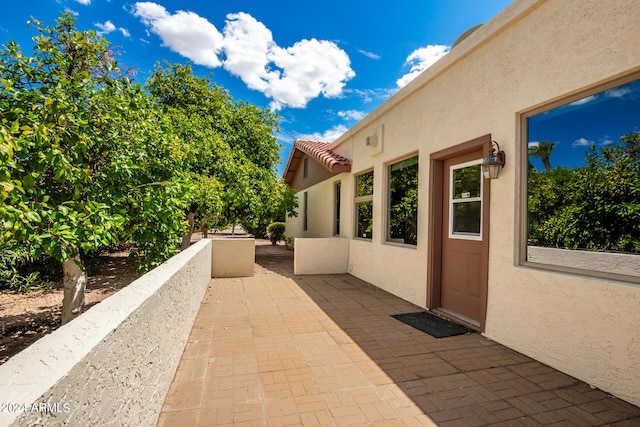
pixel 305 212
pixel 387 230
pixel 451 202
pixel 363 199
pixel 522 199
pixel 337 194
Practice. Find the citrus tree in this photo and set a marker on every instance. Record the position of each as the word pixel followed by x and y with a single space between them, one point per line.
pixel 85 159
pixel 233 152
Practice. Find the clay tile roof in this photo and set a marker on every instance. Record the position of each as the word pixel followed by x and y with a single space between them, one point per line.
pixel 320 152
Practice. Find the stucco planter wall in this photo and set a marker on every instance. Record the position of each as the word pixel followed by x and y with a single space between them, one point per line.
pixel 114 364
pixel 321 256
pixel 233 257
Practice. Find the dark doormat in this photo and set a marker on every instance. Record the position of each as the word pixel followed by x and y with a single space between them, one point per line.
pixel 432 324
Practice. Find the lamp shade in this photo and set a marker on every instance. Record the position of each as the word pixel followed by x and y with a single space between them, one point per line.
pixel 493 163
pixel 491 166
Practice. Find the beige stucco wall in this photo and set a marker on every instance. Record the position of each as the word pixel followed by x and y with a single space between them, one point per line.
pixel 532 54
pixel 316 173
pixel 320 209
pixel 321 256
pixel 232 257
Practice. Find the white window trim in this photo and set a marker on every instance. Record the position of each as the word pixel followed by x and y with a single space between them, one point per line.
pixel 451 201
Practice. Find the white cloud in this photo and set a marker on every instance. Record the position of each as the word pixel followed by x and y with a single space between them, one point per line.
pixel 352 114
pixel 420 60
pixel 585 100
pixel 184 33
pixel 109 27
pixel 369 95
pixel 618 92
pixel 71 11
pixel 84 2
pixel 581 142
pixel 105 28
pixel 329 135
pixel 247 44
pixel 369 54
pixel 289 76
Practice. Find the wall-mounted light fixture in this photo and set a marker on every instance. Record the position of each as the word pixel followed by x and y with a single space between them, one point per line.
pixel 493 163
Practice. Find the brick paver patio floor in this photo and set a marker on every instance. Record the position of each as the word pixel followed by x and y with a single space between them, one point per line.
pixel 283 350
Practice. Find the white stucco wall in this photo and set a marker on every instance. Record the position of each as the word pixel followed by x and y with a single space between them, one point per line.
pixel 532 54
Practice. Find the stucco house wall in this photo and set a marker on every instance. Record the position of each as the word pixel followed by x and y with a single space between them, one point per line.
pixel 315 174
pixel 532 54
pixel 320 210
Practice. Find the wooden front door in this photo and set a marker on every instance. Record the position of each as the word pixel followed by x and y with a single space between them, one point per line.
pixel 464 269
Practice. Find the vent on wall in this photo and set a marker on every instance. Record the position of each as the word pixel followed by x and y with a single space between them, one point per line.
pixel 375 140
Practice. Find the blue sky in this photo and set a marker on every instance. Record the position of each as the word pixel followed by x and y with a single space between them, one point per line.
pixel 600 119
pixel 321 65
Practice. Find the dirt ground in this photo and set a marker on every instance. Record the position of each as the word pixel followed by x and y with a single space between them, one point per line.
pixel 24 318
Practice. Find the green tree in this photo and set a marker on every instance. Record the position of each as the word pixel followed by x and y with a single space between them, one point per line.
pixel 548 193
pixel 599 208
pixel 232 149
pixel 85 160
pixel 543 150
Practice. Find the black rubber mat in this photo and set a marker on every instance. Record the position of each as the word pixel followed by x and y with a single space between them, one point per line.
pixel 432 324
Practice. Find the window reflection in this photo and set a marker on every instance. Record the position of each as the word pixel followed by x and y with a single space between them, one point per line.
pixel 402 219
pixel 583 180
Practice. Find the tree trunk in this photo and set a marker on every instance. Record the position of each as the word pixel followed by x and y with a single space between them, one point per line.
pixel 233 229
pixel 74 281
pixel 186 239
pixel 203 226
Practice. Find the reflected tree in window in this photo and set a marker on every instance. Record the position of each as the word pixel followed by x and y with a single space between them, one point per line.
pixel 466 209
pixel 364 205
pixel 403 202
pixel 591 200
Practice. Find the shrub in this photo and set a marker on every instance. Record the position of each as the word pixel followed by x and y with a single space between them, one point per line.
pixel 19 272
pixel 275 231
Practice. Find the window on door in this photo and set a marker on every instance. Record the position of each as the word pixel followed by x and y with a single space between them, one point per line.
pixel 465 201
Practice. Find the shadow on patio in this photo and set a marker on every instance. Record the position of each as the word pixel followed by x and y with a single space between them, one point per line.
pixel 278 349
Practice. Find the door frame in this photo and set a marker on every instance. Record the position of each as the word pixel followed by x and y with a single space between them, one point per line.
pixel 435 227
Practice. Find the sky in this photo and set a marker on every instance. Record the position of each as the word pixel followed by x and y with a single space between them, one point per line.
pixel 322 66
pixel 598 120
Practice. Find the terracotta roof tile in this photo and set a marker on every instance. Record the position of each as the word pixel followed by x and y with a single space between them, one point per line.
pixel 319 151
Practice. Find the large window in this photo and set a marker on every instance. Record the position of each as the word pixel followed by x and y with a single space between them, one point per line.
pixel 305 212
pixel 364 205
pixel 336 208
pixel 583 184
pixel 402 216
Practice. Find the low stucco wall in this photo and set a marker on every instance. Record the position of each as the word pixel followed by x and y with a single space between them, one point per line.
pixel 114 364
pixel 321 256
pixel 233 257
